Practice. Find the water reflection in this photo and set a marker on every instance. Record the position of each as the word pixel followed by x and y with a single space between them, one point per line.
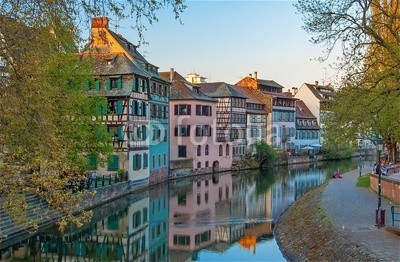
pixel 213 217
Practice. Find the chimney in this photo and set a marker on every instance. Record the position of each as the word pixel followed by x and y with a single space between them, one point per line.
pixel 100 22
pixel 171 74
pixel 250 75
pixel 255 75
pixel 316 83
pixel 294 90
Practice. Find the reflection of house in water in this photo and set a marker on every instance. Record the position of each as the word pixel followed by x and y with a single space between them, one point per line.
pixel 304 181
pixel 120 236
pixel 283 194
pixel 234 208
pixel 158 223
pixel 193 214
pixel 258 210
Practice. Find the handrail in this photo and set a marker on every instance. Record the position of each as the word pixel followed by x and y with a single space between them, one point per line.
pixel 394 217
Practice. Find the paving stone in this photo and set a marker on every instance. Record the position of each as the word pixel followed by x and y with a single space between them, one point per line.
pixel 338 229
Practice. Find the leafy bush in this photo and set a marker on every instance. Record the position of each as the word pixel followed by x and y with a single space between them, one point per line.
pixel 338 152
pixel 265 154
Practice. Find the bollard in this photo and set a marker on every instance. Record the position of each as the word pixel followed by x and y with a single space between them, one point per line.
pixel 382 215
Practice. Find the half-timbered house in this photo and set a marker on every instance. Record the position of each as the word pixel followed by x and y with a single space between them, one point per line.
pixel 137 102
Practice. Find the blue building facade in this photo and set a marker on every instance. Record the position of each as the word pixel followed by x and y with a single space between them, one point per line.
pixel 159 128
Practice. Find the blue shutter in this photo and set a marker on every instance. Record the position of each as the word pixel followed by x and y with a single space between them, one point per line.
pixel 139 110
pixel 113 163
pixel 92 161
pixel 120 108
pixel 145 160
pixel 139 161
pixel 144 85
pixel 119 83
pixel 98 110
pixel 80 249
pixel 120 133
pixel 108 84
pixel 144 132
pixel 134 163
pixel 144 109
pixel 135 84
pixel 97 85
pixel 87 85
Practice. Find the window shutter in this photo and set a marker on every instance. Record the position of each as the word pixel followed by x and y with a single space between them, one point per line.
pixel 134 86
pixel 119 83
pixel 145 160
pixel 176 131
pixel 139 108
pixel 176 110
pixel 139 132
pixel 120 107
pixel 113 163
pixel 97 85
pixel 105 110
pixel 189 109
pixel 92 160
pixel 144 132
pixel 139 161
pixel 87 85
pixel 120 133
pixel 108 84
pixel 134 160
pixel 144 85
pixel 98 110
pixel 144 109
pixel 139 85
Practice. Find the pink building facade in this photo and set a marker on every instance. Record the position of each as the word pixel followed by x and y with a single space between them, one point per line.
pixel 193 129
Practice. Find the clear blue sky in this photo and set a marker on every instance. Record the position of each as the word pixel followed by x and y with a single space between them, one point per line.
pixel 227 40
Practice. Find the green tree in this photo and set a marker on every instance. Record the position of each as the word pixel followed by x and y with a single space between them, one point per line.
pixel 368 31
pixel 48 125
pixel 265 154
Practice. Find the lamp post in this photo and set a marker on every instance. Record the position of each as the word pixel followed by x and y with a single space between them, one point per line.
pixel 359 152
pixel 379 147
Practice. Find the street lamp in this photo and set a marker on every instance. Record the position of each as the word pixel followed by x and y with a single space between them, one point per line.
pixel 379 147
pixel 360 142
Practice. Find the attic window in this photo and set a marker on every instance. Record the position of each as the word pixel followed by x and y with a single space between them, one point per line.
pixel 109 61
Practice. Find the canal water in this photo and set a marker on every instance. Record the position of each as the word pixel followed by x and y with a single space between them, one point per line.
pixel 221 217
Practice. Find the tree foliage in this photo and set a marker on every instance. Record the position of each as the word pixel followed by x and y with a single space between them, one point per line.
pixel 48 125
pixel 265 154
pixel 368 31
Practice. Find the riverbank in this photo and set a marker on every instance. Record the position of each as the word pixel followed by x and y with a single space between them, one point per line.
pixel 325 226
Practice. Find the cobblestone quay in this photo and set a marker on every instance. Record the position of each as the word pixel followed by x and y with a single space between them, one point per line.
pixel 335 222
pixel 304 232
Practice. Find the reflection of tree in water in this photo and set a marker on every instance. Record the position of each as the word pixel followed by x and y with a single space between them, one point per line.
pixel 342 166
pixel 264 180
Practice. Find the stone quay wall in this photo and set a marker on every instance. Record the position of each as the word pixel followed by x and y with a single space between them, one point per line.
pixel 390 187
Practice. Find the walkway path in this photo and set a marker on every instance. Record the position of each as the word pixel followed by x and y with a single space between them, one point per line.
pixel 352 209
pixel 335 222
